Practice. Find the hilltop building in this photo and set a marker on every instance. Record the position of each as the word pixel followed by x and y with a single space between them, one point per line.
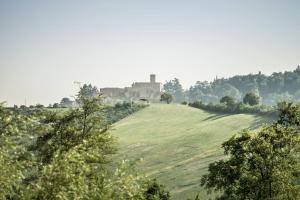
pixel 139 90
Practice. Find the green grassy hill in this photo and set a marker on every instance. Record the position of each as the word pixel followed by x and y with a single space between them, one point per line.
pixel 176 143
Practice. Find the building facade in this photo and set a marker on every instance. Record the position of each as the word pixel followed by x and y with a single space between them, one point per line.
pixel 139 90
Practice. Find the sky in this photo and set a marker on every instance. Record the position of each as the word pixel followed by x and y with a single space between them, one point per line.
pixel 47 45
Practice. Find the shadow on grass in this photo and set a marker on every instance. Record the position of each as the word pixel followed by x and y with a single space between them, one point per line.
pixel 261 120
pixel 215 117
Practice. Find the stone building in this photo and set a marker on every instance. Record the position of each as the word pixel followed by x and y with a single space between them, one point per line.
pixel 139 90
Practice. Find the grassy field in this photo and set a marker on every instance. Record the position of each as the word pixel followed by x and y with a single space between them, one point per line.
pixel 175 143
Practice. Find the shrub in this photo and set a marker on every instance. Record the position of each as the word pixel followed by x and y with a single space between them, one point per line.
pixel 251 99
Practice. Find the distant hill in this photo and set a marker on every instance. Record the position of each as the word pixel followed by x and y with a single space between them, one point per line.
pixel 176 143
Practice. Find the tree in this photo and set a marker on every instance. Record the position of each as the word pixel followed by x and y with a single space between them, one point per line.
pixel 87 90
pixel 174 88
pixel 227 100
pixel 66 102
pixel 76 154
pixel 39 105
pixel 166 97
pixel 70 129
pixel 263 165
pixel 251 99
pixel 226 89
pixel 55 105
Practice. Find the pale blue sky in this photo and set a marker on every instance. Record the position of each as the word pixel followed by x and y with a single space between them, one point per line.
pixel 46 45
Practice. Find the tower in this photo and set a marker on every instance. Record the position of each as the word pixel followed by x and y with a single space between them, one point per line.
pixel 152 78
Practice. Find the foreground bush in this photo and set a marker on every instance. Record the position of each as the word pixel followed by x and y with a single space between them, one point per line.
pixel 262 165
pixel 68 155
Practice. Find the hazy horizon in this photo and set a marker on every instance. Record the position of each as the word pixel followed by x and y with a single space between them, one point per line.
pixel 46 46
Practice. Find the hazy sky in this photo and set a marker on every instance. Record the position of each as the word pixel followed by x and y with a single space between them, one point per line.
pixel 47 45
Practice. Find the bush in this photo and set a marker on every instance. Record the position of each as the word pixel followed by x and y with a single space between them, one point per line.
pixel 168 98
pixel 236 108
pixel 251 99
pixel 227 100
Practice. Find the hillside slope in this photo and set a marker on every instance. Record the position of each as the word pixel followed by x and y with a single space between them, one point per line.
pixel 175 143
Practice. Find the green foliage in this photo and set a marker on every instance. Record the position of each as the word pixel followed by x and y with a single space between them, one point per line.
pixel 119 111
pixel 11 171
pixel 194 136
pixel 263 165
pixel 56 105
pixel 251 99
pixel 66 102
pixel 39 106
pixel 272 89
pixel 227 100
pixel 87 90
pixel 166 98
pixel 12 127
pixel 156 191
pixel 66 130
pixel 289 114
pixel 196 198
pixel 78 173
pixel 46 154
pixel 236 108
pixel 184 103
pixel 174 88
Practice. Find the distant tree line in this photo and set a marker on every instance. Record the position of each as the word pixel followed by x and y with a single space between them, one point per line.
pixel 272 89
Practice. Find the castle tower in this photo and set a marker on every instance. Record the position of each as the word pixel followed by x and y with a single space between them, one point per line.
pixel 152 78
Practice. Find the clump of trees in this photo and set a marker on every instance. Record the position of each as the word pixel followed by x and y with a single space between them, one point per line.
pixel 119 111
pixel 88 90
pixel 174 88
pixel 165 97
pixel 227 100
pixel 68 155
pixel 230 105
pixel 260 165
pixel 66 102
pixel 251 99
pixel 272 89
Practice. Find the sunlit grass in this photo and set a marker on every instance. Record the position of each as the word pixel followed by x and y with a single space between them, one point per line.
pixel 175 143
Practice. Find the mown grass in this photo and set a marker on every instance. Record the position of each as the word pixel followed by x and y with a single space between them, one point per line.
pixel 175 143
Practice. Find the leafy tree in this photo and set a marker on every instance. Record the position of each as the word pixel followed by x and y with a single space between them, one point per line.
pixel 78 173
pixel 251 99
pixel 175 89
pixel 227 100
pixel 65 131
pixel 23 107
pixel 71 158
pixel 166 97
pixel 66 102
pixel 263 165
pixel 87 90
pixel 76 157
pixel 39 106
pixel 55 105
pixel 12 127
